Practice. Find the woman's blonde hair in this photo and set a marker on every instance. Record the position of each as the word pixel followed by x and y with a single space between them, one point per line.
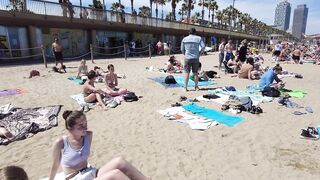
pixel 13 173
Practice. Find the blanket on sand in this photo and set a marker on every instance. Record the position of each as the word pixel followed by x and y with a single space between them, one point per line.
pixel 9 92
pixel 214 115
pixel 180 82
pixel 23 122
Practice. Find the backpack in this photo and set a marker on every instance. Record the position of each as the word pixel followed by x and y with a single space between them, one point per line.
pixel 170 80
pixel 246 103
pixel 211 74
pixel 270 92
pixel 130 96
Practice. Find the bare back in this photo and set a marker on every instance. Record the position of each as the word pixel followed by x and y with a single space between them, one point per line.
pixel 56 47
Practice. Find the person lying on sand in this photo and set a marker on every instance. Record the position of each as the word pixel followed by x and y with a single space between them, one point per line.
pixel 72 152
pixel 82 70
pixel 4 133
pixel 91 93
pixel 111 79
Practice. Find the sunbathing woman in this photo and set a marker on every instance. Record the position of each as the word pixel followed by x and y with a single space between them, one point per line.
pixel 72 152
pixel 83 70
pixel 111 80
pixel 92 94
pixel 173 65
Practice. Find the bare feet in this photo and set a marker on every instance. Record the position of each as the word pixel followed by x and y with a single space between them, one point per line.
pixel 196 88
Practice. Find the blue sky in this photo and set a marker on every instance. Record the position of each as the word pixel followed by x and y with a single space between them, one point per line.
pixel 263 10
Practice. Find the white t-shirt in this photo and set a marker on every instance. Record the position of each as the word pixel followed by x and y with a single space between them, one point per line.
pixel 277 47
pixel 221 48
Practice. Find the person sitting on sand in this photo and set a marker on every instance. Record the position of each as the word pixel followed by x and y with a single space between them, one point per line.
pixel 91 93
pixel 272 75
pixel 173 65
pixel 72 152
pixel 111 80
pixel 82 70
pixel 100 73
pixel 296 55
pixel 247 70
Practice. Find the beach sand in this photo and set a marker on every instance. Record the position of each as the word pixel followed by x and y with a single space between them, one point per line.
pixel 265 146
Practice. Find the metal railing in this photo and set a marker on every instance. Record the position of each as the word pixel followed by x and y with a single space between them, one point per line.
pixel 71 11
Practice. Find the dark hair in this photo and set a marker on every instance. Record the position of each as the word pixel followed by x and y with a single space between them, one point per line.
pixel 192 31
pixel 70 117
pixel 13 173
pixel 277 68
pixel 91 74
pixel 110 66
pixel 200 65
pixel 96 67
pixel 250 60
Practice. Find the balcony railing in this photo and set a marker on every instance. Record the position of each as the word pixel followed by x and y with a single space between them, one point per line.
pixel 77 12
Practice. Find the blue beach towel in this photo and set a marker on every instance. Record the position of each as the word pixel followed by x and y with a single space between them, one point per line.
pixel 213 114
pixel 160 80
pixel 75 80
pixel 254 87
pixel 180 81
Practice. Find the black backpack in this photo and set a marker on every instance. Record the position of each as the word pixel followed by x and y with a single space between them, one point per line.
pixel 130 96
pixel 211 74
pixel 170 80
pixel 270 92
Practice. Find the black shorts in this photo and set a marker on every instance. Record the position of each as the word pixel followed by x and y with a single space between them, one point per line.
pixel 58 56
pixel 191 64
pixel 276 53
pixel 296 57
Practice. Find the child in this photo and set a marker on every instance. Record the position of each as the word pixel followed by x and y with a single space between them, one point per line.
pixel 173 66
pixel 202 74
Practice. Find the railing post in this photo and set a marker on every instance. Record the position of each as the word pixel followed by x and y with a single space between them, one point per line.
pixel 44 56
pixel 125 51
pixel 91 52
pixel 169 50
pixel 149 51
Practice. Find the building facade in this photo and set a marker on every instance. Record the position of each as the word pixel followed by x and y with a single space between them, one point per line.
pixel 299 24
pixel 282 16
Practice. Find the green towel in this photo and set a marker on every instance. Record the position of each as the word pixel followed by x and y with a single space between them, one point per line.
pixel 294 93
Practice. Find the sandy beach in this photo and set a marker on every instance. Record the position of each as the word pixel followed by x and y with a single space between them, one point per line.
pixel 266 146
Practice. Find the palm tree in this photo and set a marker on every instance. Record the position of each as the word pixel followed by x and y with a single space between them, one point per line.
pixel 219 16
pixel 195 17
pixel 183 10
pixel 190 6
pixel 212 6
pixel 157 2
pixel 131 6
pixel 173 6
pixel 203 3
pixel 115 5
pixel 144 11
pixel 151 1
pixel 170 16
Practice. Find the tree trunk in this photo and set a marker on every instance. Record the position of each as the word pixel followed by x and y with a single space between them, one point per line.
pixel 189 9
pixel 173 5
pixel 202 10
pixel 131 6
pixel 157 10
pixel 150 8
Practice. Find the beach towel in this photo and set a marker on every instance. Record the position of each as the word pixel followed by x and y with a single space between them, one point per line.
pixel 59 176
pixel 293 93
pixel 160 80
pixel 180 82
pixel 80 100
pixel 9 92
pixel 75 80
pixel 214 115
pixel 178 114
pixel 254 87
pixel 23 122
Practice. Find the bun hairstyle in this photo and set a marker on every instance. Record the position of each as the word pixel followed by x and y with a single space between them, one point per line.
pixel 277 68
pixel 70 118
pixel 13 173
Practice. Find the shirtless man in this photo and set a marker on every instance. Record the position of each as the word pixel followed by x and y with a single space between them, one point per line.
pixel 296 55
pixel 57 51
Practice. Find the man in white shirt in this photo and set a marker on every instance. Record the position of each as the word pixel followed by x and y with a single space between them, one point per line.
pixel 221 53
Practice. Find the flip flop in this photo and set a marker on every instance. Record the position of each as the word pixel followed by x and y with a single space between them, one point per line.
pixel 298 113
pixel 309 109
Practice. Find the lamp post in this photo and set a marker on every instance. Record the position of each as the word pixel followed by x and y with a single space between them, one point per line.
pixel 230 26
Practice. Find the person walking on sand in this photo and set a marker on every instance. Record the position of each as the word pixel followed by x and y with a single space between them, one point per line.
pixel 221 53
pixel 190 49
pixel 57 52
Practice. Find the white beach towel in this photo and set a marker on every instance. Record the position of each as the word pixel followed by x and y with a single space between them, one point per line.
pixel 194 122
pixel 59 176
pixel 6 109
pixel 80 100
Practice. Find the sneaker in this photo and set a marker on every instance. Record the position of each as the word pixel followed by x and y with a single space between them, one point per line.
pixel 309 134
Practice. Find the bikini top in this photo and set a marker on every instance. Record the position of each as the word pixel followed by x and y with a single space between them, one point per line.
pixel 72 157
